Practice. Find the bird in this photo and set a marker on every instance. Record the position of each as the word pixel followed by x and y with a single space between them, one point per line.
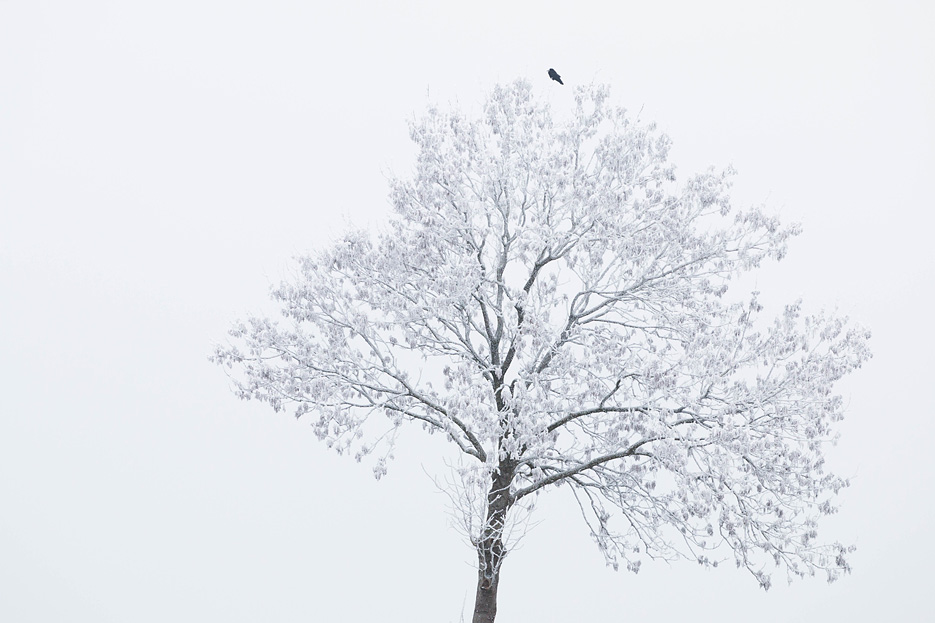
pixel 554 76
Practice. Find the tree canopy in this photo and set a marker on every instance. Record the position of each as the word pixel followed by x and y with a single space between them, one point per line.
pixel 555 303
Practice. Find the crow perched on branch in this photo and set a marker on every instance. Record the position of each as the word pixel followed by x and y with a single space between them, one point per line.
pixel 554 76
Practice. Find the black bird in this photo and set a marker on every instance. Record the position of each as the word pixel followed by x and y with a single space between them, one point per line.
pixel 554 76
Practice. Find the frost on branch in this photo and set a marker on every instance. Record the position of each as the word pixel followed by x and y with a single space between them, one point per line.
pixel 553 302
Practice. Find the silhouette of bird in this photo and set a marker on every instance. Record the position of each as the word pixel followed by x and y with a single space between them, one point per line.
pixel 554 76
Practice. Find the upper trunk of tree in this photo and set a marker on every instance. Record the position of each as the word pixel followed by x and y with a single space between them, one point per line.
pixel 490 549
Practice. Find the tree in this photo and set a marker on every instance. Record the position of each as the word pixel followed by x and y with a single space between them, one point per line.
pixel 548 298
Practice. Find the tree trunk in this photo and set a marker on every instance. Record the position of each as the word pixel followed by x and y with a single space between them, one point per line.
pixel 489 555
pixel 490 550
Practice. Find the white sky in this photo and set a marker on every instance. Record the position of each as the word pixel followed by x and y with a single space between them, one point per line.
pixel 162 162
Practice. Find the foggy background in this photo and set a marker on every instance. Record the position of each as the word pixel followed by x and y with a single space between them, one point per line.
pixel 161 163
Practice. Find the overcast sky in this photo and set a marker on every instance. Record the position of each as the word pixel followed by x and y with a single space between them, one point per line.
pixel 161 163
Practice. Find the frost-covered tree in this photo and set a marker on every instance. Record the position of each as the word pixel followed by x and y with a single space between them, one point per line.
pixel 549 299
